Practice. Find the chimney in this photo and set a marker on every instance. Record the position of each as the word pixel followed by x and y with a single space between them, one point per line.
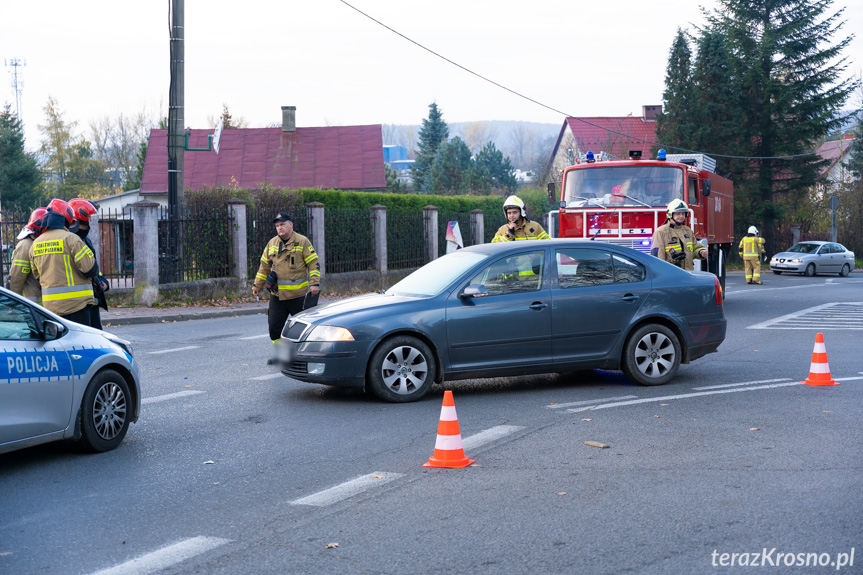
pixel 648 113
pixel 289 118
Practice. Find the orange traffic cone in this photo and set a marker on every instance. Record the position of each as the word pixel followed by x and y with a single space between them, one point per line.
pixel 819 372
pixel 448 451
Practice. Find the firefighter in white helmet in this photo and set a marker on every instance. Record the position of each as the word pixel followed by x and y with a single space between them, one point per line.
pixel 750 249
pixel 674 241
pixel 518 227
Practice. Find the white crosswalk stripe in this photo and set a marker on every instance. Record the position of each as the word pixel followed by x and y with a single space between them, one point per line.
pixel 829 316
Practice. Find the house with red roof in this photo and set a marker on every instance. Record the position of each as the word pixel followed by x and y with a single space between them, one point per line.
pixel 836 152
pixel 338 157
pixel 615 136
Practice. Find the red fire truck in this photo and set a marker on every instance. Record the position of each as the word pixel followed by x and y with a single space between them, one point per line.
pixel 624 202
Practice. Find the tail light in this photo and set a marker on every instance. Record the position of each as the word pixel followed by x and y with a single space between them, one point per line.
pixel 717 290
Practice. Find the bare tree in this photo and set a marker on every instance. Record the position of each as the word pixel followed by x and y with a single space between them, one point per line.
pixel 522 141
pixel 116 141
pixel 477 134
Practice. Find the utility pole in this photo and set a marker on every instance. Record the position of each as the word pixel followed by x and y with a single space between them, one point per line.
pixel 176 144
pixel 17 84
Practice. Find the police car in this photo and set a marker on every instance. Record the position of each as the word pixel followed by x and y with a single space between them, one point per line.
pixel 62 380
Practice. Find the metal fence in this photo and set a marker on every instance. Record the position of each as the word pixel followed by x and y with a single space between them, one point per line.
pixel 350 240
pixel 405 239
pixel 206 233
pixel 260 230
pixel 117 246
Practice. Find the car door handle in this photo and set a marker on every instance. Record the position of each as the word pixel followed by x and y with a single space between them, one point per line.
pixel 629 297
pixel 538 305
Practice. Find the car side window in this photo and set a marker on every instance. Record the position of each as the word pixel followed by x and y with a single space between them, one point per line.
pixel 578 267
pixel 513 274
pixel 16 320
pixel 627 270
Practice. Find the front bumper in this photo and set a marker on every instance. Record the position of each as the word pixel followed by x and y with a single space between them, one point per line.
pixel 340 364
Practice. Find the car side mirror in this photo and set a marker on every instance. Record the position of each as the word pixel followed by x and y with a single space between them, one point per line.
pixel 475 290
pixel 705 189
pixel 551 193
pixel 52 330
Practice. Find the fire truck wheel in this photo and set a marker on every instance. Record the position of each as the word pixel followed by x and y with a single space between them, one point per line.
pixel 651 355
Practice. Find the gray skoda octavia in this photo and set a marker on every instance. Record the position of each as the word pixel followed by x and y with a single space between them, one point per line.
pixel 62 380
pixel 508 309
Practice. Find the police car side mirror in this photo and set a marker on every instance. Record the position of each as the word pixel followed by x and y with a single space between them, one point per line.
pixel 52 330
pixel 476 290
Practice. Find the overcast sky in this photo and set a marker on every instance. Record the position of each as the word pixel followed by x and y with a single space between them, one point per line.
pixel 100 58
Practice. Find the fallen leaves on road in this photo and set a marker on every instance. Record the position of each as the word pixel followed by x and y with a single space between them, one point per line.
pixel 754 429
pixel 587 420
pixel 377 476
pixel 331 545
pixel 210 462
pixel 560 493
pixel 595 444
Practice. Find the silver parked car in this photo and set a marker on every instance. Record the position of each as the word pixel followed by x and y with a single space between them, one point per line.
pixel 62 380
pixel 810 258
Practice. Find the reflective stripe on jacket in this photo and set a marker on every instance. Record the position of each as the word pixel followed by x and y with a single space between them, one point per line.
pixel 751 247
pixel 60 261
pixel 678 237
pixel 524 230
pixel 21 280
pixel 295 263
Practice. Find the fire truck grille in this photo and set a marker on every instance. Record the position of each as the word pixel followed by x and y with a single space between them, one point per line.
pixel 640 244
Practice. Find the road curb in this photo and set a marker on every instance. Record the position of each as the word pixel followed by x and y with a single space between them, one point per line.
pixel 173 317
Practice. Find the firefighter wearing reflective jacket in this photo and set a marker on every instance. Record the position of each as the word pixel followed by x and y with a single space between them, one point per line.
pixel 83 211
pixel 21 280
pixel 674 241
pixel 290 270
pixel 64 265
pixel 518 227
pixel 750 249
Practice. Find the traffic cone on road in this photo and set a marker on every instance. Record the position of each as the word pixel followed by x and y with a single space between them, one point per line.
pixel 819 372
pixel 448 451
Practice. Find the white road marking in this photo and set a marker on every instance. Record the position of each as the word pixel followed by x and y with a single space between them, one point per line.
pixel 270 376
pixel 820 318
pixel 761 289
pixel 846 378
pixel 590 401
pixel 188 347
pixel 165 557
pixel 347 489
pixel 699 394
pixel 256 336
pixel 489 435
pixel 166 397
pixel 742 384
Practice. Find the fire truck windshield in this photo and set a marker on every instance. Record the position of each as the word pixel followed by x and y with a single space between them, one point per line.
pixel 623 186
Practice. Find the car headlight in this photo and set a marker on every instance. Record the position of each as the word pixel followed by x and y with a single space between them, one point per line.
pixel 796 260
pixel 330 333
pixel 124 344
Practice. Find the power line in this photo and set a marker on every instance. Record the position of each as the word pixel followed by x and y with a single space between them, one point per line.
pixel 547 107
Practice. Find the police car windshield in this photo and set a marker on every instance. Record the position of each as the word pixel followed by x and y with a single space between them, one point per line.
pixel 433 277
pixel 621 186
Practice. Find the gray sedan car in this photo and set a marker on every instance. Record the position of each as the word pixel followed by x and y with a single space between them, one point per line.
pixel 508 309
pixel 62 380
pixel 811 258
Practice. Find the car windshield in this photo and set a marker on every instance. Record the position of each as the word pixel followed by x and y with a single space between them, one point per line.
pixel 433 277
pixel 804 248
pixel 600 186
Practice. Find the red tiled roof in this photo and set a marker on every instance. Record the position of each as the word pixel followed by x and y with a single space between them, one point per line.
pixel 833 151
pixel 597 137
pixel 340 157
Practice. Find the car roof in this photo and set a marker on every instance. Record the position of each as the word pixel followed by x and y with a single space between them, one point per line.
pixel 815 242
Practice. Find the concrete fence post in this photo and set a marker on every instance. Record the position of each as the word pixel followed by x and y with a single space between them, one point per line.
pixel 317 234
pixel 379 235
pixel 477 227
pixel 430 233
pixel 145 215
pixel 239 243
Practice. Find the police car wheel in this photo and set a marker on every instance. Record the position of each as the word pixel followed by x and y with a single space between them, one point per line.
pixel 401 369
pixel 105 412
pixel 651 355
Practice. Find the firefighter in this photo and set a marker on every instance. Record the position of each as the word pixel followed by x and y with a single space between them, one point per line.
pixel 674 241
pixel 518 227
pixel 83 210
pixel 750 249
pixel 21 281
pixel 290 270
pixel 64 265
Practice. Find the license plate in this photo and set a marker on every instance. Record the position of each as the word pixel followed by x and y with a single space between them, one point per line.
pixel 781 266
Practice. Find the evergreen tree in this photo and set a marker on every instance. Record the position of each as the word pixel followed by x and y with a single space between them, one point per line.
pixel 492 171
pixel 450 168
pixel 433 133
pixel 134 182
pixel 394 185
pixel 855 149
pixel 674 126
pixel 790 95
pixel 20 177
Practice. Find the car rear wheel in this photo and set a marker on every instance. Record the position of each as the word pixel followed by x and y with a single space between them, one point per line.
pixel 846 269
pixel 651 355
pixel 401 369
pixel 105 412
pixel 776 272
pixel 809 271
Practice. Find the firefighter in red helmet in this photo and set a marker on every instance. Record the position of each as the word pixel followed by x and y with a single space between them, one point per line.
pixel 21 280
pixel 84 210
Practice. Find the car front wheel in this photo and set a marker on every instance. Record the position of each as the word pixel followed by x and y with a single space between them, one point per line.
pixel 401 369
pixel 846 269
pixel 105 412
pixel 651 355
pixel 809 271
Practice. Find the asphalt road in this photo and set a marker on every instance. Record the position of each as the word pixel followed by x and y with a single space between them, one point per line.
pixel 233 468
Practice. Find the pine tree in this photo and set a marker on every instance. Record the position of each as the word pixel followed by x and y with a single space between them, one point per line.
pixel 790 94
pixel 433 133
pixel 854 160
pixel 20 177
pixel 674 126
pixel 493 171
pixel 450 168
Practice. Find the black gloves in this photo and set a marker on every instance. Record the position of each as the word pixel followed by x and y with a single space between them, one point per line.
pixel 272 282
